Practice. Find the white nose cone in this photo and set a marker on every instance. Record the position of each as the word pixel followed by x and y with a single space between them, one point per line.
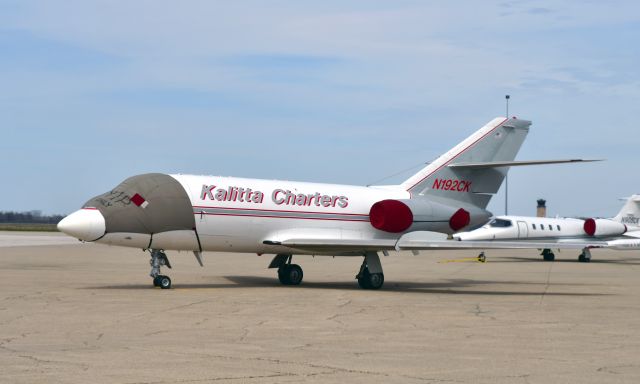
pixel 86 224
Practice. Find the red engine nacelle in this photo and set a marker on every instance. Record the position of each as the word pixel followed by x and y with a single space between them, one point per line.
pixel 603 227
pixel 398 215
pixel 391 216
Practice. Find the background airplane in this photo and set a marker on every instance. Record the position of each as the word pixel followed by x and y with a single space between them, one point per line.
pixel 620 232
pixel 159 212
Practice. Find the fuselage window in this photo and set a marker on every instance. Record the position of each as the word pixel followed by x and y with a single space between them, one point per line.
pixel 500 223
pixel 534 226
pixel 550 227
pixel 542 227
pixel 558 227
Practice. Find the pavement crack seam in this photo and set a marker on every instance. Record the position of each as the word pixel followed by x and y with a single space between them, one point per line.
pixel 547 284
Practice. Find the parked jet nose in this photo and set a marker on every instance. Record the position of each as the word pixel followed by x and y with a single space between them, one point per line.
pixel 86 224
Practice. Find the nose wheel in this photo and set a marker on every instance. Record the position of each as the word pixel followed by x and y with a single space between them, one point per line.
pixel 159 259
pixel 162 281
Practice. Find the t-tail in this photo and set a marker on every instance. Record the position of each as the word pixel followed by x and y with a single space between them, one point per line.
pixel 629 215
pixel 472 171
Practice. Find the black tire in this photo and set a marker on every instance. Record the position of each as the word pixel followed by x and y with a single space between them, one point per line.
pixel 376 280
pixel 583 259
pixel 156 281
pixel 290 274
pixel 295 274
pixel 363 279
pixel 283 276
pixel 549 256
pixel 164 282
pixel 367 280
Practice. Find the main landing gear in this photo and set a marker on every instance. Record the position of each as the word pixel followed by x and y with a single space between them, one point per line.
pixel 158 259
pixel 585 256
pixel 547 255
pixel 288 274
pixel 370 275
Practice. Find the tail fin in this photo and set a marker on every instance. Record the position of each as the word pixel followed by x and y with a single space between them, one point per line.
pixel 630 212
pixel 465 173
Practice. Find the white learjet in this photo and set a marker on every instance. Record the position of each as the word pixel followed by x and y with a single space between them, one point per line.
pixel 620 232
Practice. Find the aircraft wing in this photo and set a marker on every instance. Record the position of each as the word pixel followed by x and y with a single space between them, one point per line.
pixel 418 245
pixel 416 241
pixel 337 245
pixel 635 234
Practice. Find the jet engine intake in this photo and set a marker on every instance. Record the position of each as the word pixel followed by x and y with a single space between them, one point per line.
pixel 603 227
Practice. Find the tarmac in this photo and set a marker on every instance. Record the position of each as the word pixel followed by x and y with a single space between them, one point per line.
pixel 87 313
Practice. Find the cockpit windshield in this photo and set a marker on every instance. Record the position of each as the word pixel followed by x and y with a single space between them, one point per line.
pixel 500 223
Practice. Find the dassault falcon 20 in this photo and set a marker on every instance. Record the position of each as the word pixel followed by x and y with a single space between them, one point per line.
pixel 159 212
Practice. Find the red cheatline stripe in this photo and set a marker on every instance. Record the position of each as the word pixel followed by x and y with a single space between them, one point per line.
pixel 281 210
pixel 459 153
pixel 276 217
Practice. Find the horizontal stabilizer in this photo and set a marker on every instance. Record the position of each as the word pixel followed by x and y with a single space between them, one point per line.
pixel 634 198
pixel 499 164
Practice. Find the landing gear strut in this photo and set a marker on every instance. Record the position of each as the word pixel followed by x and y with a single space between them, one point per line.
pixel 370 275
pixel 288 274
pixel 547 255
pixel 585 256
pixel 159 259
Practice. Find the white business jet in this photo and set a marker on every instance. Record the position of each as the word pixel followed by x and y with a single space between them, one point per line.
pixel 159 212
pixel 620 232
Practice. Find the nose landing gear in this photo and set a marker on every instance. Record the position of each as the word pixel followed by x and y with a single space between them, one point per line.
pixel 158 259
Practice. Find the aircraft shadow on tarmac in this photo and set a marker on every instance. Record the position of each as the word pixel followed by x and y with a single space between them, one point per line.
pixel 566 259
pixel 452 287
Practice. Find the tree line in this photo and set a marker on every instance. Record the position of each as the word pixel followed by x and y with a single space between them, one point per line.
pixel 32 217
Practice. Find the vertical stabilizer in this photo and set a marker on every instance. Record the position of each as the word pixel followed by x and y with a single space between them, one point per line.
pixel 630 212
pixel 448 178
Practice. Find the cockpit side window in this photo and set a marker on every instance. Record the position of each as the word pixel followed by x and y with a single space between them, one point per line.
pixel 500 223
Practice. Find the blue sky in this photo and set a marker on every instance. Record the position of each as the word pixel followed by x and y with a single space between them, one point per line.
pixel 93 92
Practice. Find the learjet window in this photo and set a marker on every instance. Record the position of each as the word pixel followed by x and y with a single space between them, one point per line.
pixel 542 227
pixel 550 227
pixel 558 227
pixel 500 223
pixel 534 226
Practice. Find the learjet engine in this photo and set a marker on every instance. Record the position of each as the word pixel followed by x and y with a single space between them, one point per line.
pixel 603 227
